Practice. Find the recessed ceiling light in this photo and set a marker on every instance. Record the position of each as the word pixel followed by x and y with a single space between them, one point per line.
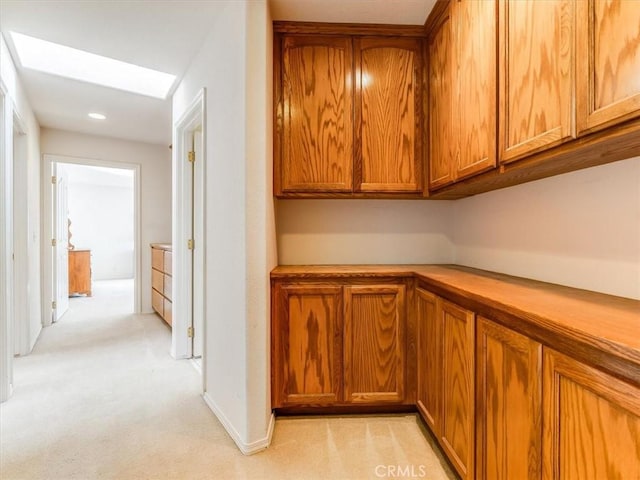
pixel 69 62
pixel 97 116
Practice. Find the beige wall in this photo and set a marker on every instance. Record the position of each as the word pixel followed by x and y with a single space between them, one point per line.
pixel 580 229
pixel 232 65
pixel 364 231
pixel 155 185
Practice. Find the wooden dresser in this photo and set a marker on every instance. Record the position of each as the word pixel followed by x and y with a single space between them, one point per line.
pixel 161 280
pixel 79 272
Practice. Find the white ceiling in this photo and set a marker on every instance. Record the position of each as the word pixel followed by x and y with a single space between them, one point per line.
pixel 160 34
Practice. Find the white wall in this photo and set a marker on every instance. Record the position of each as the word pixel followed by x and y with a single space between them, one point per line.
pixel 101 210
pixel 233 64
pixel 155 184
pixel 580 229
pixel 364 231
pixel 25 253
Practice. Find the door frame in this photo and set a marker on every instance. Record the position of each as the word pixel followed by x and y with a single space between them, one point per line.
pixel 47 250
pixel 21 321
pixel 188 285
pixel 6 240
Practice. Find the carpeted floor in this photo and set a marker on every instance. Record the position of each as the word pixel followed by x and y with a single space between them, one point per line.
pixel 100 398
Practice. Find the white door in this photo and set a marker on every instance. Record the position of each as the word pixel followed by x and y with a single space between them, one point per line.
pixel 198 252
pixel 61 244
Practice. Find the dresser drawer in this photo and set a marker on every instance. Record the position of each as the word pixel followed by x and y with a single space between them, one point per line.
pixel 157 302
pixel 157 280
pixel 157 259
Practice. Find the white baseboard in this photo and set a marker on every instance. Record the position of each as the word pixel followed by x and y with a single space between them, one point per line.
pixel 245 448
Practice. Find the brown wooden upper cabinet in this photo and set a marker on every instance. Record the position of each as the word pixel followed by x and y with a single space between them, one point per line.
pixel 316 126
pixel 462 92
pixel 608 62
pixel 348 115
pixel 537 93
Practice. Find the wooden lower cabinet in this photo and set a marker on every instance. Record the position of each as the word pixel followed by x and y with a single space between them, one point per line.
pixel 374 347
pixel 338 345
pixel 430 359
pixel 591 422
pixel 458 413
pixel 446 340
pixel 307 345
pixel 509 404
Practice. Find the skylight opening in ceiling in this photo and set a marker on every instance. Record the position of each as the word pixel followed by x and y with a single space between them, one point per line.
pixel 88 67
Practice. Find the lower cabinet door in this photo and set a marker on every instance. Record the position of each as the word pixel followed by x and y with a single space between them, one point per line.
pixel 591 422
pixel 374 352
pixel 458 380
pixel 307 345
pixel 429 359
pixel 509 373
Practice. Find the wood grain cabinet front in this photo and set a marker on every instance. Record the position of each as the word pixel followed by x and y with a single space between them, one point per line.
pixel 388 118
pixel 446 384
pixel 80 272
pixel 608 63
pixel 307 345
pixel 591 422
pixel 161 284
pixel 339 345
pixel 316 126
pixel 374 348
pixel 537 89
pixel 348 115
pixel 462 92
pixel 509 404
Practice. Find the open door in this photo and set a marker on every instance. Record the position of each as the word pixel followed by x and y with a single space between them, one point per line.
pixel 60 243
pixel 197 190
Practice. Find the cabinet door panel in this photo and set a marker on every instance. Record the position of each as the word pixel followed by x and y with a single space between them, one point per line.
pixel 477 87
pixel 509 441
pixel 608 56
pixel 317 133
pixel 307 340
pixel 591 422
pixel 442 143
pixel 429 359
pixel 388 103
pixel 458 433
pixel 536 81
pixel 374 343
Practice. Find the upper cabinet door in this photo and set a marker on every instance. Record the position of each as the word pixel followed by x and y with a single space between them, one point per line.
pixel 536 75
pixel 388 120
pixel 316 109
pixel 476 23
pixel 442 145
pixel 608 58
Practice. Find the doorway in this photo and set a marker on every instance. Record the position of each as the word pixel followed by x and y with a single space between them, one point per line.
pixel 189 164
pixel 94 212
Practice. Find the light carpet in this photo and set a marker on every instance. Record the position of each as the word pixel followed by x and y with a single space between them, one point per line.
pixel 101 398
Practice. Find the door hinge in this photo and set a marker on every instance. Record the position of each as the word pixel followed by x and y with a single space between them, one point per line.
pixel 54 305
pixel 192 156
pixel 190 332
pixel 53 242
pixel 54 180
pixel 190 244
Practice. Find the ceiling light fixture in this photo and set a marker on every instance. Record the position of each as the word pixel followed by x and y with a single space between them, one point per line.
pixel 97 116
pixel 88 67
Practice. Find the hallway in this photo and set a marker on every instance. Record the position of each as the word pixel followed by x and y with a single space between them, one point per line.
pixel 100 397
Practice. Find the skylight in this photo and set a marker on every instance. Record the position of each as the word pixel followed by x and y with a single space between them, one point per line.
pixel 69 62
